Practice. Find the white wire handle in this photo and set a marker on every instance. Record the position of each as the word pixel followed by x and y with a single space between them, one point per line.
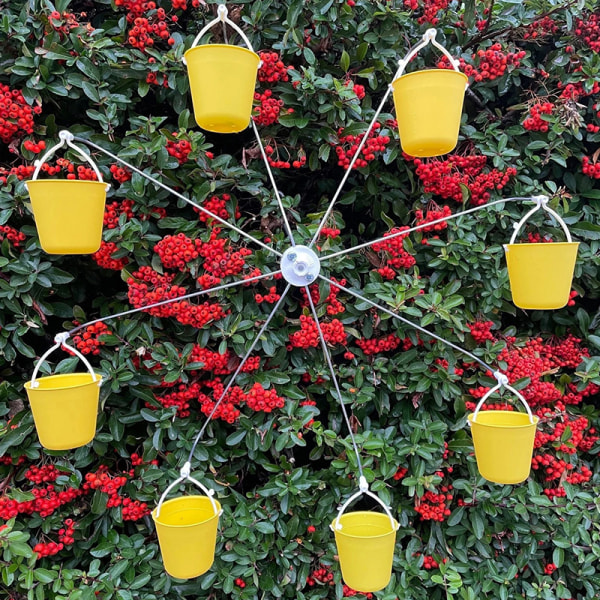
pixel 66 138
pixel 502 383
pixel 541 203
pixel 184 475
pixel 221 18
pixel 61 340
pixel 363 489
pixel 428 38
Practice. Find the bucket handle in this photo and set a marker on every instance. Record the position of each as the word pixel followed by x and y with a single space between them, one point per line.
pixel 66 138
pixel 502 383
pixel 363 489
pixel 61 340
pixel 428 37
pixel 541 203
pixel 221 18
pixel 184 475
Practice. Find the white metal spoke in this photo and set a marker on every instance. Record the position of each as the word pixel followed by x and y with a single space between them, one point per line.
pixel 180 196
pixel 171 300
pixel 327 355
pixel 349 169
pixel 238 370
pixel 409 323
pixel 275 189
pixel 419 227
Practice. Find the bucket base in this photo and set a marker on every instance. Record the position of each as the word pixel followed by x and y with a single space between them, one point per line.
pixel 219 123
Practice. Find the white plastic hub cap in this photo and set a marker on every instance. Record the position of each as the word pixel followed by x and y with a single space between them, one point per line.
pixel 300 265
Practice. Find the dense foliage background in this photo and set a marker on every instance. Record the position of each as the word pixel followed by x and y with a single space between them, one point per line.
pixel 77 523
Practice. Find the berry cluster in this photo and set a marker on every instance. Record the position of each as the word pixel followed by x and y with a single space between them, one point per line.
pixel 145 31
pixel 534 122
pixel 358 89
pixel 65 538
pixel 16 116
pixel 324 576
pixel 87 342
pixel 268 108
pixel 176 251
pixel 180 399
pixel 430 9
pixel 278 163
pixel 590 168
pixel 588 30
pixel 348 146
pixel 541 28
pixel 272 69
pixel 218 206
pixel 576 90
pixel 180 149
pixel 269 298
pixel 114 210
pixel 211 361
pixel 397 257
pixel 308 335
pixel 434 507
pixel 433 214
pixel 400 474
pixel 34 147
pixel 43 474
pixel 377 345
pixel 120 174
pixel 46 501
pixel 12 235
pixel 330 232
pixel 445 177
pixel 104 257
pixel 146 286
pixel 488 64
pixel 481 331
pixel 134 510
pixel 220 260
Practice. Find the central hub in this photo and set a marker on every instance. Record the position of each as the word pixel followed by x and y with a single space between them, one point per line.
pixel 300 265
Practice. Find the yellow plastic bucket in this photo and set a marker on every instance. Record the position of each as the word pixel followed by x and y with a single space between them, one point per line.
pixel 365 546
pixel 64 409
pixel 222 81
pixel 541 274
pixel 503 442
pixel 187 534
pixel 428 110
pixel 68 214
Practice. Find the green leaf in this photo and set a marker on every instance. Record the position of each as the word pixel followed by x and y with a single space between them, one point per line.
pixel 345 61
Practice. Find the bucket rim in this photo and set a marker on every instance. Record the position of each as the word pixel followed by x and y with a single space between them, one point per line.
pixel 69 181
pixel 98 381
pixel 536 419
pixel 179 498
pixel 544 244
pixel 365 537
pixel 229 46
pixel 422 71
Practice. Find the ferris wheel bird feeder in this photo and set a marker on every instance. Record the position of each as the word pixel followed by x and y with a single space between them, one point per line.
pixel 68 213
pixel 69 217
pixel 222 80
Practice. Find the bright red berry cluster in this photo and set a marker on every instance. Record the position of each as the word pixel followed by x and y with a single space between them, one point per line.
pixel 65 538
pixel 218 206
pixel 434 507
pixel 120 174
pixel 180 149
pixel 146 286
pixel 481 331
pixel 269 298
pixel 12 235
pixel 590 168
pixel 34 147
pixel 308 335
pixel 534 121
pixel 433 214
pixel 104 257
pixel 396 257
pixel 87 342
pixel 429 9
pixel 272 69
pixel 16 116
pixel 324 576
pixel 146 30
pixel 488 64
pixel 275 152
pixel 445 177
pixel 114 210
pixel 541 28
pixel 43 474
pixel 176 251
pixel 268 108
pixel 377 345
pixel 348 146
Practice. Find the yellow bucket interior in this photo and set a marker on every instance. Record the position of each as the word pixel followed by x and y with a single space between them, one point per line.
pixel 365 546
pixel 541 274
pixel 68 214
pixel 428 110
pixel 64 409
pixel 187 535
pixel 222 81
pixel 503 442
